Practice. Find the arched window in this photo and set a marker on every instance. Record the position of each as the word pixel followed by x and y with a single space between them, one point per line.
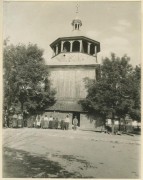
pixel 85 46
pixel 92 48
pixel 76 46
pixel 66 47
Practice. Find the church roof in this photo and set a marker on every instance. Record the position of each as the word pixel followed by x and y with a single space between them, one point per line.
pixel 66 106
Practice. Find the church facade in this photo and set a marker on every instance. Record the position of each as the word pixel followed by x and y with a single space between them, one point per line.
pixel 74 59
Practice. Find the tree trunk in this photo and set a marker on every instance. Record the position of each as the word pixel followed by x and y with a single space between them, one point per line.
pixel 125 128
pixel 22 104
pixel 113 125
pixel 22 107
pixel 119 124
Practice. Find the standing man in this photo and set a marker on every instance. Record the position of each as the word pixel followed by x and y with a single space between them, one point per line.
pixel 67 121
pixel 75 122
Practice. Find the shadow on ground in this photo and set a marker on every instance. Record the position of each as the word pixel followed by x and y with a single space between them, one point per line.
pixel 21 164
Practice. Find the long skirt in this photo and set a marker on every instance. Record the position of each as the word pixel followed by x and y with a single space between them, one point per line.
pixel 46 124
pixel 42 123
pixel 56 124
pixel 14 123
pixel 66 125
pixel 38 124
pixel 62 124
pixel 20 123
pixel 74 126
pixel 50 124
pixel 30 123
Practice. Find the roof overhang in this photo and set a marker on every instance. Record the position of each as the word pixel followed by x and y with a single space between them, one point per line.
pixel 66 106
pixel 76 38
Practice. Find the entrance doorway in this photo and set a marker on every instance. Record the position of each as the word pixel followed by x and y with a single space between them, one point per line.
pixel 77 116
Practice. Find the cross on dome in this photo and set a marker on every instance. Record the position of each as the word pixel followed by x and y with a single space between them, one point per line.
pixel 77 8
pixel 77 23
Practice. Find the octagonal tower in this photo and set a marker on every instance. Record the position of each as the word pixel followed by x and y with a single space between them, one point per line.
pixel 74 59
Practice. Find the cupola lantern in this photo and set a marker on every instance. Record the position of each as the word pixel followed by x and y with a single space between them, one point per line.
pixel 76 23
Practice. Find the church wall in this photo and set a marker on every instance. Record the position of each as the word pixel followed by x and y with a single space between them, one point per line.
pixel 60 115
pixel 85 122
pixel 69 82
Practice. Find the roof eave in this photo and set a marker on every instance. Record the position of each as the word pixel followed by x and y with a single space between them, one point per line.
pixel 73 37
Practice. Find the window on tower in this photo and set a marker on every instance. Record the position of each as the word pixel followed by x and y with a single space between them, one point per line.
pixel 92 47
pixel 76 46
pixel 85 46
pixel 77 26
pixel 66 46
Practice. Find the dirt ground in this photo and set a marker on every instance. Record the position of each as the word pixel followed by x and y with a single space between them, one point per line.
pixel 45 153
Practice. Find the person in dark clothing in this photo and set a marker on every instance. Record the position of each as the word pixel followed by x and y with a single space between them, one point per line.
pixel 56 123
pixel 62 124
pixel 51 122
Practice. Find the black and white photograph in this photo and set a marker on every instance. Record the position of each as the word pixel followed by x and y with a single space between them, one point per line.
pixel 71 89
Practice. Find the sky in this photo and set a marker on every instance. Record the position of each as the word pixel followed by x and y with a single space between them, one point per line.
pixel 116 25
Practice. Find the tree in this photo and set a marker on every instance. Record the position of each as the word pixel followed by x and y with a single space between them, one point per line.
pixel 113 94
pixel 135 111
pixel 26 79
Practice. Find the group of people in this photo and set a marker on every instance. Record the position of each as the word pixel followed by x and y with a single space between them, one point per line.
pixel 17 120
pixel 51 122
pixel 42 121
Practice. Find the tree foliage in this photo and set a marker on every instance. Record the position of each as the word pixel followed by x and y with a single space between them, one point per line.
pixel 135 111
pixel 26 79
pixel 116 92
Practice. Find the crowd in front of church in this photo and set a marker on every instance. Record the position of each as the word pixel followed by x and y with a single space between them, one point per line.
pixel 45 122
pixel 54 122
pixel 51 122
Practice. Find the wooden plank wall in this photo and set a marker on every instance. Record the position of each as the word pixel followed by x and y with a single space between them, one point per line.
pixel 69 81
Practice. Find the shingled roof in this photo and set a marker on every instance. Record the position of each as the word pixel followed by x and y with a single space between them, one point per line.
pixel 66 106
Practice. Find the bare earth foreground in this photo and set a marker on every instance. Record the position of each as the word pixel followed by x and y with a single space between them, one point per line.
pixel 44 153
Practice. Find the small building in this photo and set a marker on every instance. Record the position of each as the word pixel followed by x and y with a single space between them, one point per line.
pixel 74 59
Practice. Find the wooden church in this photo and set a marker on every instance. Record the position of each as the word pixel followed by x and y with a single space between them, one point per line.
pixel 74 58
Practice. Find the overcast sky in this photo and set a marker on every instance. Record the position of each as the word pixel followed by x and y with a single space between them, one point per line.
pixel 116 25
